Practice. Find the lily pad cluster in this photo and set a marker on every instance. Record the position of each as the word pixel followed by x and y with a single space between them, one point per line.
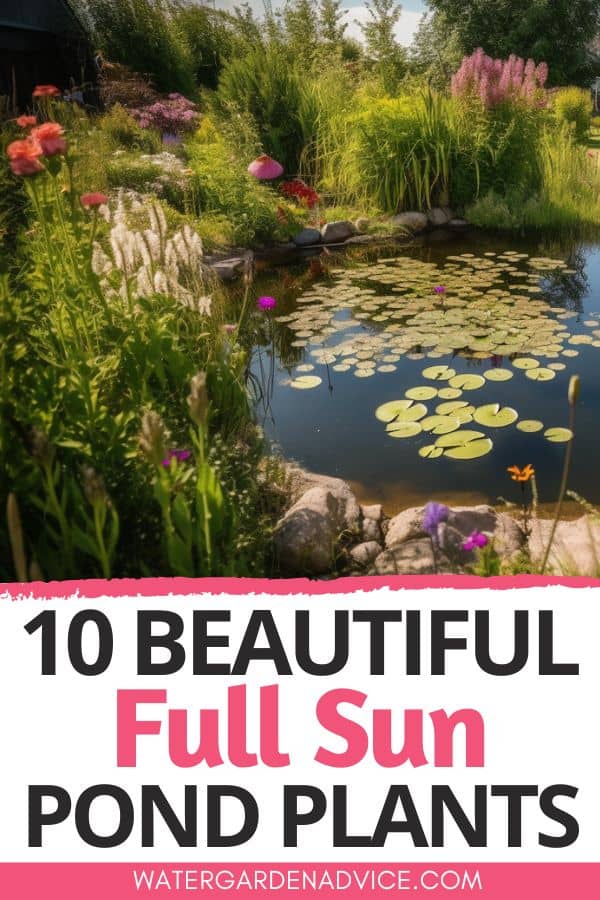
pixel 363 321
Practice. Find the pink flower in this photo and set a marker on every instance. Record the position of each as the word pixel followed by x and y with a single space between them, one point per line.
pixel 26 121
pixel 177 455
pixel 265 169
pixel 266 303
pixel 46 90
pixel 440 289
pixel 50 138
pixel 476 541
pixel 92 200
pixel 24 157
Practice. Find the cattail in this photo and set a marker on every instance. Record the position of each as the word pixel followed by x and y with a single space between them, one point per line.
pixel 153 437
pixel 15 533
pixel 41 448
pixel 198 399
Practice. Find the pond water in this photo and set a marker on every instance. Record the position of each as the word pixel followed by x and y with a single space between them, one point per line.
pixel 476 337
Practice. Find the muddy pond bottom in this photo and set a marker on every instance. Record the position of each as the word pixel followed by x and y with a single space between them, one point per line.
pixel 426 373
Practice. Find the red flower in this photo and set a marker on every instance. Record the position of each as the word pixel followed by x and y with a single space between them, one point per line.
pixel 26 121
pixel 301 191
pixel 92 200
pixel 46 90
pixel 24 157
pixel 50 138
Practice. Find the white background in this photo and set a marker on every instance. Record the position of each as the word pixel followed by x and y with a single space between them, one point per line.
pixel 62 730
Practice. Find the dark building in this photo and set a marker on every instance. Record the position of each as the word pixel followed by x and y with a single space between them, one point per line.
pixel 41 42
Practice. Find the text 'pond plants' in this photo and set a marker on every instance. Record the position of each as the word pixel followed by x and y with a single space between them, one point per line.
pixel 416 367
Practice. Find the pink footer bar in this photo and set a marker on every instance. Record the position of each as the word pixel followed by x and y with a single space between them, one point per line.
pixel 120 881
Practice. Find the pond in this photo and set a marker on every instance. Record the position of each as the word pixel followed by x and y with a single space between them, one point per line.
pixel 426 371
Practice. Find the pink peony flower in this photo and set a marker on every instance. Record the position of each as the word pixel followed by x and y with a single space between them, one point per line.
pixel 50 138
pixel 24 157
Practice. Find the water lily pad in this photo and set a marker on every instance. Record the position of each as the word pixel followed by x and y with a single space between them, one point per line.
pixel 402 410
pixel 449 393
pixel 431 452
pixel 498 375
pixel 341 367
pixel 558 435
pixel 364 373
pixel 495 416
pixel 306 382
pixel 530 426
pixel 467 382
pixel 570 353
pixel 453 407
pixel 525 363
pixel 306 367
pixel 403 429
pixel 440 424
pixel 472 450
pixel 557 367
pixel 421 393
pixel 459 438
pixel 540 374
pixel 439 373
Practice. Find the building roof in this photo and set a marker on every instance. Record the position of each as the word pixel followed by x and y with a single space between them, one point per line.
pixel 50 16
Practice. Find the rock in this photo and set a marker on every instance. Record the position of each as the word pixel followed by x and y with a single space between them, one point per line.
pixel 306 537
pixel 372 512
pixel 413 557
pixel 363 239
pixel 228 269
pixel 371 530
pixel 413 221
pixel 301 480
pixel 365 554
pixel 438 216
pixel 336 232
pixel 508 537
pixel 362 225
pixel 458 223
pixel 307 237
pixel 575 548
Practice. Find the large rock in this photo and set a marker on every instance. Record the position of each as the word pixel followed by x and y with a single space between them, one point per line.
pixel 439 216
pixel 508 537
pixel 575 548
pixel 363 555
pixel 413 557
pixel 412 221
pixel 337 232
pixel 229 269
pixel 307 237
pixel 307 535
pixel 361 225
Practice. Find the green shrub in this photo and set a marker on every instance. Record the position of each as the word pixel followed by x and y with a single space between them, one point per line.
pixel 161 174
pixel 143 35
pixel 595 123
pixel 267 86
pixel 573 106
pixel 123 131
pixel 222 186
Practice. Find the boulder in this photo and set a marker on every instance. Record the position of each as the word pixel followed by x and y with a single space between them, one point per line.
pixel 364 554
pixel 375 511
pixel 575 548
pixel 439 217
pixel 307 237
pixel 306 537
pixel 337 232
pixel 507 535
pixel 362 225
pixel 228 269
pixel 413 221
pixel 414 557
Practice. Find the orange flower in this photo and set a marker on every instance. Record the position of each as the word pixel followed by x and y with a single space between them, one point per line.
pixel 521 475
pixel 46 90
pixel 24 157
pixel 26 121
pixel 50 138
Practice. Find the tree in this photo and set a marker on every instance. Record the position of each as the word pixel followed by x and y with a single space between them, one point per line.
pixel 332 26
pixel 558 32
pixel 435 51
pixel 300 21
pixel 381 43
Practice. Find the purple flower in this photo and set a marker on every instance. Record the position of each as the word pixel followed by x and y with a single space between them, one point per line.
pixel 266 303
pixel 476 541
pixel 440 289
pixel 179 455
pixel 434 515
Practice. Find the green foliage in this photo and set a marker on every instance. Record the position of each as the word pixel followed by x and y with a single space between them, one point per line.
pixel 573 106
pixel 267 86
pixel 222 185
pixel 209 37
pixel 145 36
pixel 557 32
pixel 123 131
